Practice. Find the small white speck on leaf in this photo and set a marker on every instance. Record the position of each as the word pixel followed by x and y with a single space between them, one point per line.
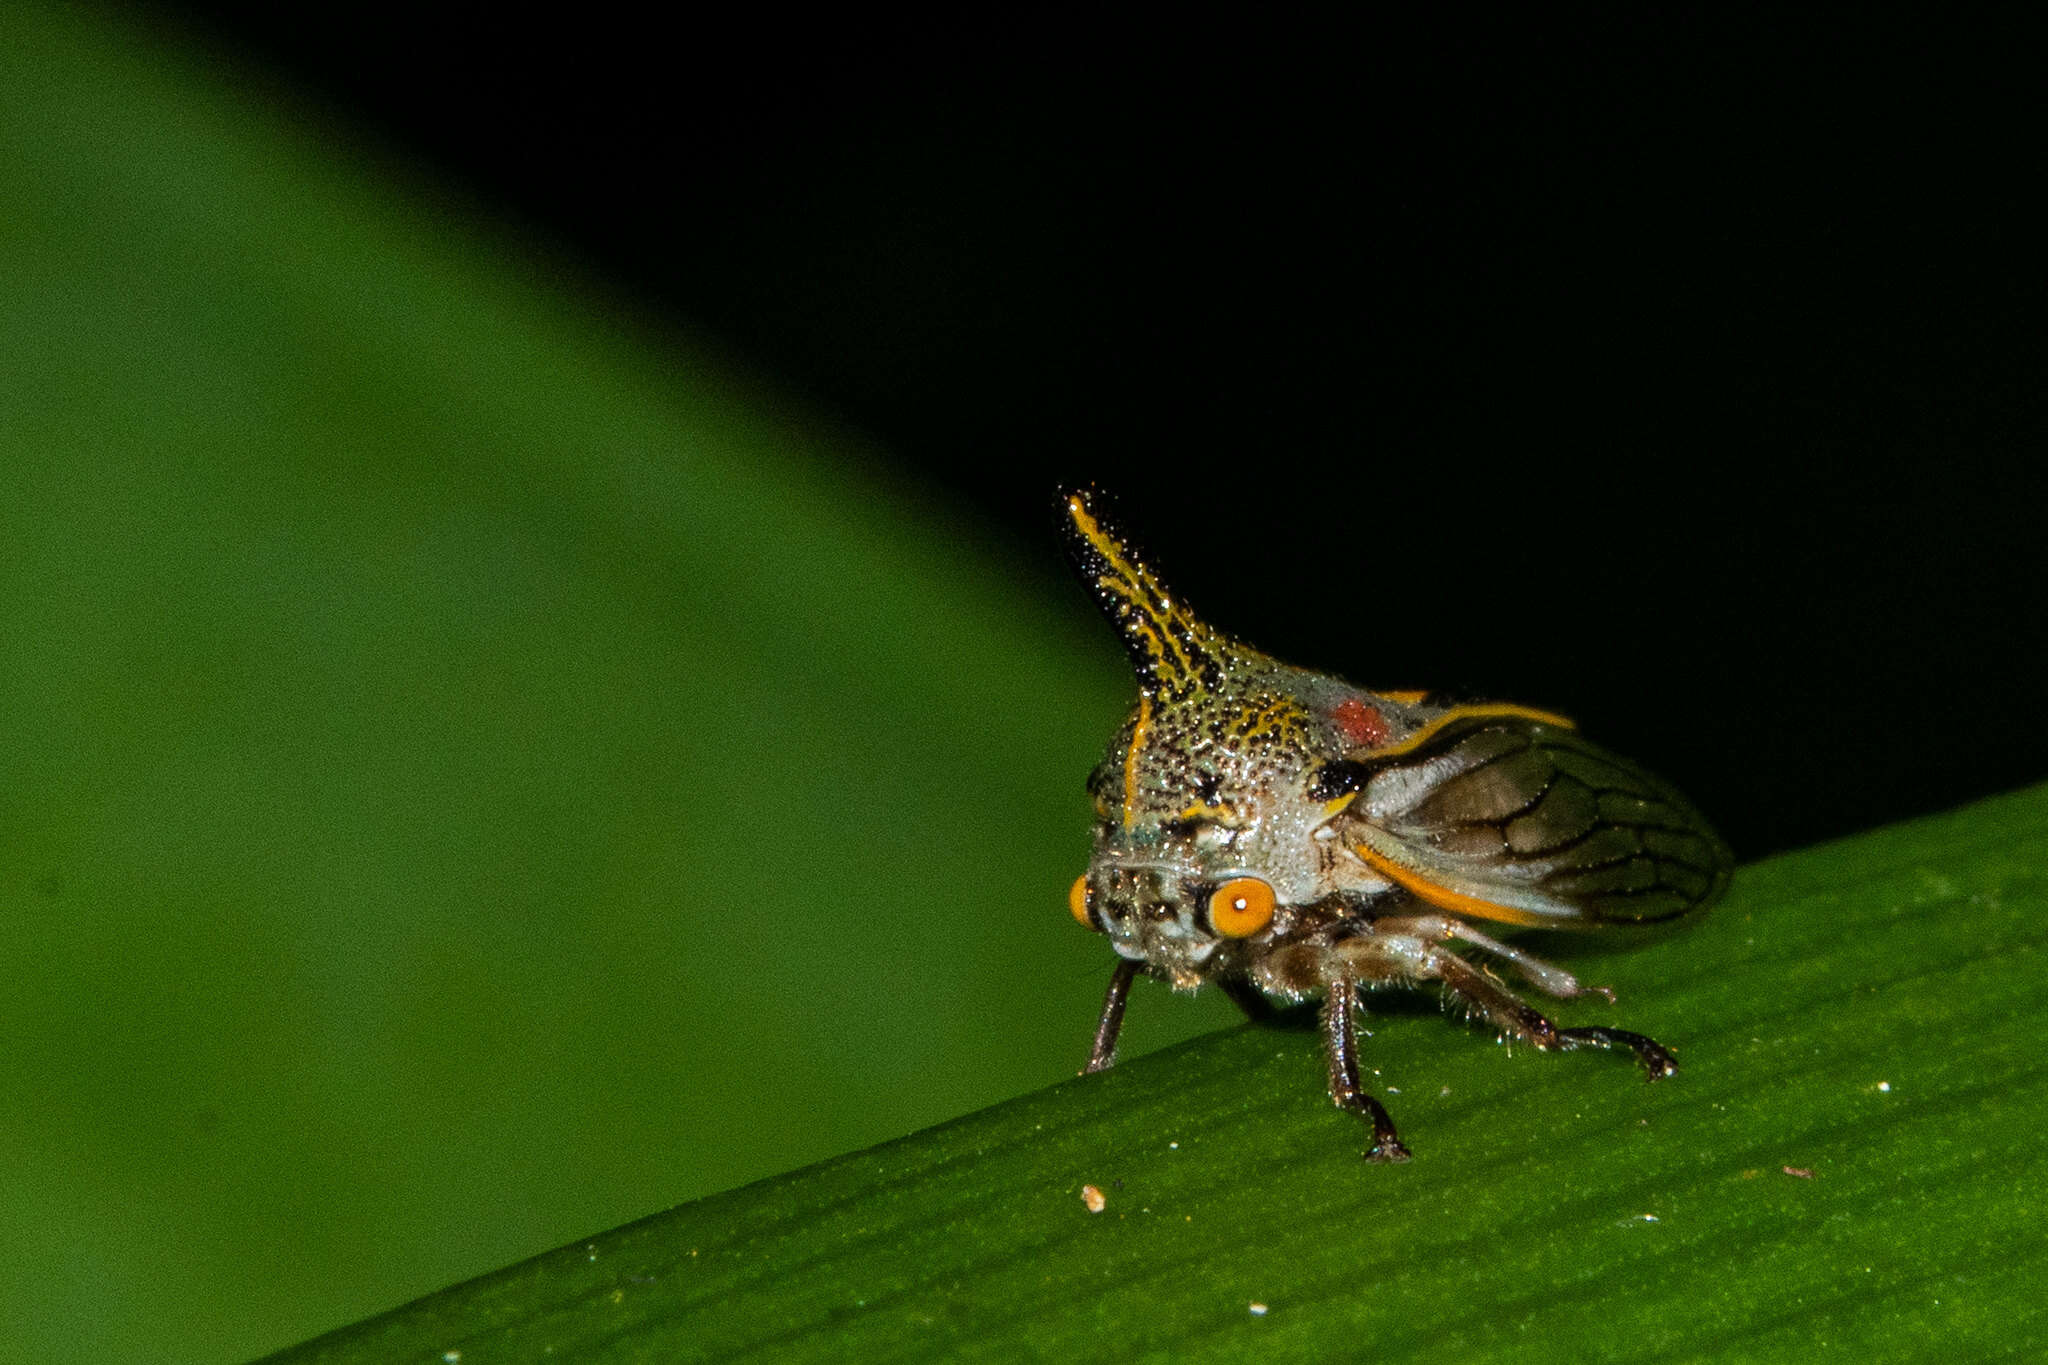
pixel 1258 1310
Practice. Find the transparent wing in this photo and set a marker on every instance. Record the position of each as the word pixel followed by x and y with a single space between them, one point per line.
pixel 1519 819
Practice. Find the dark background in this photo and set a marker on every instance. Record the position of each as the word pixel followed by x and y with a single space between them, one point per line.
pixel 1683 376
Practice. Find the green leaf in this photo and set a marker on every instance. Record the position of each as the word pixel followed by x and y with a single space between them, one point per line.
pixel 1848 1165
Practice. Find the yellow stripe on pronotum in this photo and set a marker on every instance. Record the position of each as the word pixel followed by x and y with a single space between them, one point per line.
pixel 1180 646
pixel 1138 729
pixel 1477 711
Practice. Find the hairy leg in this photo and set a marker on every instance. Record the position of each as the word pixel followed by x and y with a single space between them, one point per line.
pixel 1545 977
pixel 1518 1019
pixel 1340 1041
pixel 1112 1021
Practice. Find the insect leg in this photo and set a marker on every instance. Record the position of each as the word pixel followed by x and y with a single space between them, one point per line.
pixel 1656 1058
pixel 1551 980
pixel 1112 1021
pixel 1340 1040
pixel 1516 1017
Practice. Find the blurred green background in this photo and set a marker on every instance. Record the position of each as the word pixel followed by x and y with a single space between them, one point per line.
pixel 476 771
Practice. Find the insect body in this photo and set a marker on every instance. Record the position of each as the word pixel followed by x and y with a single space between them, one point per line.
pixel 1285 834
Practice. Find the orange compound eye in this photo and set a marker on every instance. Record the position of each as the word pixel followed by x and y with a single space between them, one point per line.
pixel 1077 901
pixel 1241 907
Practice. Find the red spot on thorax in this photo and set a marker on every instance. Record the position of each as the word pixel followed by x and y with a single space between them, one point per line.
pixel 1361 725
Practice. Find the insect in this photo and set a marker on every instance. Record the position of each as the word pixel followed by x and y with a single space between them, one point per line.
pixel 1284 834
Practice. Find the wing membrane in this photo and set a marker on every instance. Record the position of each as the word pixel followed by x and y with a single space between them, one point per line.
pixel 1518 819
